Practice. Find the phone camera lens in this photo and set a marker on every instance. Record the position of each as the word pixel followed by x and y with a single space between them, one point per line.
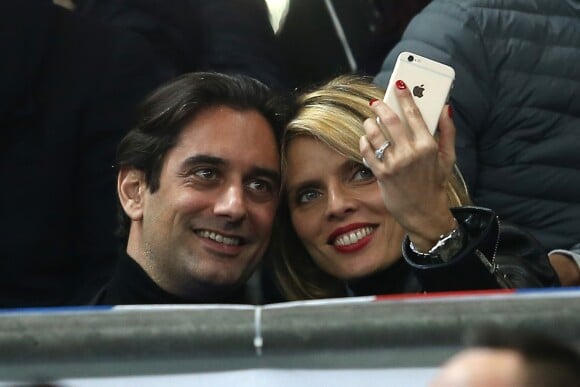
pixel 410 58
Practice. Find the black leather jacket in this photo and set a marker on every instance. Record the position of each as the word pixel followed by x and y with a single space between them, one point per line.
pixel 495 256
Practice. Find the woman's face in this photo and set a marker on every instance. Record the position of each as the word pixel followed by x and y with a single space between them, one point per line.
pixel 338 212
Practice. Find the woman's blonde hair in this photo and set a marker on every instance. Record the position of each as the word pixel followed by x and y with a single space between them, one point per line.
pixel 333 114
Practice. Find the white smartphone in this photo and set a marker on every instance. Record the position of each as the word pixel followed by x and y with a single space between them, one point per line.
pixel 430 83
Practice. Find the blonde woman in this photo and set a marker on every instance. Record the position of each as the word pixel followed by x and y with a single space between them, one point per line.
pixel 374 206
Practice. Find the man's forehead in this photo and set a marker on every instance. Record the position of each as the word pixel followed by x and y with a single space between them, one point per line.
pixel 222 125
pixel 227 136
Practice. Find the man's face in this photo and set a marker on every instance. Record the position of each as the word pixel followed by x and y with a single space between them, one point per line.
pixel 210 221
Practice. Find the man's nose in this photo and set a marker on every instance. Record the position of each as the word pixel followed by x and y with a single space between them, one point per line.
pixel 231 203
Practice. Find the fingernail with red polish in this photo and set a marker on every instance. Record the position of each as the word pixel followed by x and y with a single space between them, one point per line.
pixel 372 101
pixel 401 85
pixel 450 111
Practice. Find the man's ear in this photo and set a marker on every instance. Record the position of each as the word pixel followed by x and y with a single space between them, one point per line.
pixel 131 188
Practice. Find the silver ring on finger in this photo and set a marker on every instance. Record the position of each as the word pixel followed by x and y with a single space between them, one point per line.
pixel 380 153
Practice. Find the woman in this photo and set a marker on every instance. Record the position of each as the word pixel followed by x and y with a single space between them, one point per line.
pixel 359 188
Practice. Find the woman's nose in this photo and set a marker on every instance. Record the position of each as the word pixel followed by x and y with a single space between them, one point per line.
pixel 340 201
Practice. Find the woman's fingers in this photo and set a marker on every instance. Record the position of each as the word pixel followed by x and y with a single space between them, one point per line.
pixel 447 135
pixel 404 130
pixel 412 115
pixel 391 124
pixel 372 145
pixel 387 131
pixel 376 132
pixel 377 139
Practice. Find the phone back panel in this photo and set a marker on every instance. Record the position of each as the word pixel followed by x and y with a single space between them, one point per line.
pixel 429 81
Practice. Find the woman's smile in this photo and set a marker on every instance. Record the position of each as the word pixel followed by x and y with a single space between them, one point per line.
pixel 352 237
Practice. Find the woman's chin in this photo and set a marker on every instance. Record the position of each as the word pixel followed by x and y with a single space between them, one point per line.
pixel 361 270
pixel 351 274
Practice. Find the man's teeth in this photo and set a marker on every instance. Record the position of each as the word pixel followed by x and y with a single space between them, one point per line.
pixel 353 236
pixel 219 238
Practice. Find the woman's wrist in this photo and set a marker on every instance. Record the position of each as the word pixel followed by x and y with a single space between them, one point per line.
pixel 447 245
pixel 432 233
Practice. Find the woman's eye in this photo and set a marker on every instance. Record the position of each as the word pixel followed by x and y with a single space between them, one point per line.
pixel 363 173
pixel 308 196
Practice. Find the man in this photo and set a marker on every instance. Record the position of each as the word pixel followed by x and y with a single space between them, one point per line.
pixel 504 358
pixel 198 183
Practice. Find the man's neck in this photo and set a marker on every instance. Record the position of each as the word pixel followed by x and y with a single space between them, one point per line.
pixel 196 292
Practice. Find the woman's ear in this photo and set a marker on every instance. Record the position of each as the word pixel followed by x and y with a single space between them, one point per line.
pixel 131 188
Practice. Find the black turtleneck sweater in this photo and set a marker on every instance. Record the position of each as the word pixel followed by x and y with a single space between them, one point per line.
pixel 130 285
pixel 397 278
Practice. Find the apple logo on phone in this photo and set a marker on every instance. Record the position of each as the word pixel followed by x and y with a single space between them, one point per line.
pixel 418 91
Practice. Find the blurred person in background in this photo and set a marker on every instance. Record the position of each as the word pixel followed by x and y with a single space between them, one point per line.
pixel 502 357
pixel 321 39
pixel 227 36
pixel 68 88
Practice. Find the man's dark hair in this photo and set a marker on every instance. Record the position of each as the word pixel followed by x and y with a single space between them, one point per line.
pixel 548 361
pixel 167 110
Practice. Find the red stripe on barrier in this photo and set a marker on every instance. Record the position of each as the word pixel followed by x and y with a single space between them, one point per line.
pixel 460 293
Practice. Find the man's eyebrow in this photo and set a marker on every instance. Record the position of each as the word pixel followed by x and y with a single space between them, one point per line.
pixel 203 159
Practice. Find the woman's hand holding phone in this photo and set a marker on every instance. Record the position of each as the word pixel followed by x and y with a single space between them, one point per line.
pixel 414 169
pixel 430 83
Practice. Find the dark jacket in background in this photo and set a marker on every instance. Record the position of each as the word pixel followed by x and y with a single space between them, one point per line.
pixel 517 104
pixel 229 36
pixel 311 44
pixel 68 87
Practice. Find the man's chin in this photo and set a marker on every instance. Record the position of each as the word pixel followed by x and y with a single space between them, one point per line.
pixel 226 274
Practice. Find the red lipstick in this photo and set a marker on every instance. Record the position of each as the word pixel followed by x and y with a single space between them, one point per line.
pixel 352 247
